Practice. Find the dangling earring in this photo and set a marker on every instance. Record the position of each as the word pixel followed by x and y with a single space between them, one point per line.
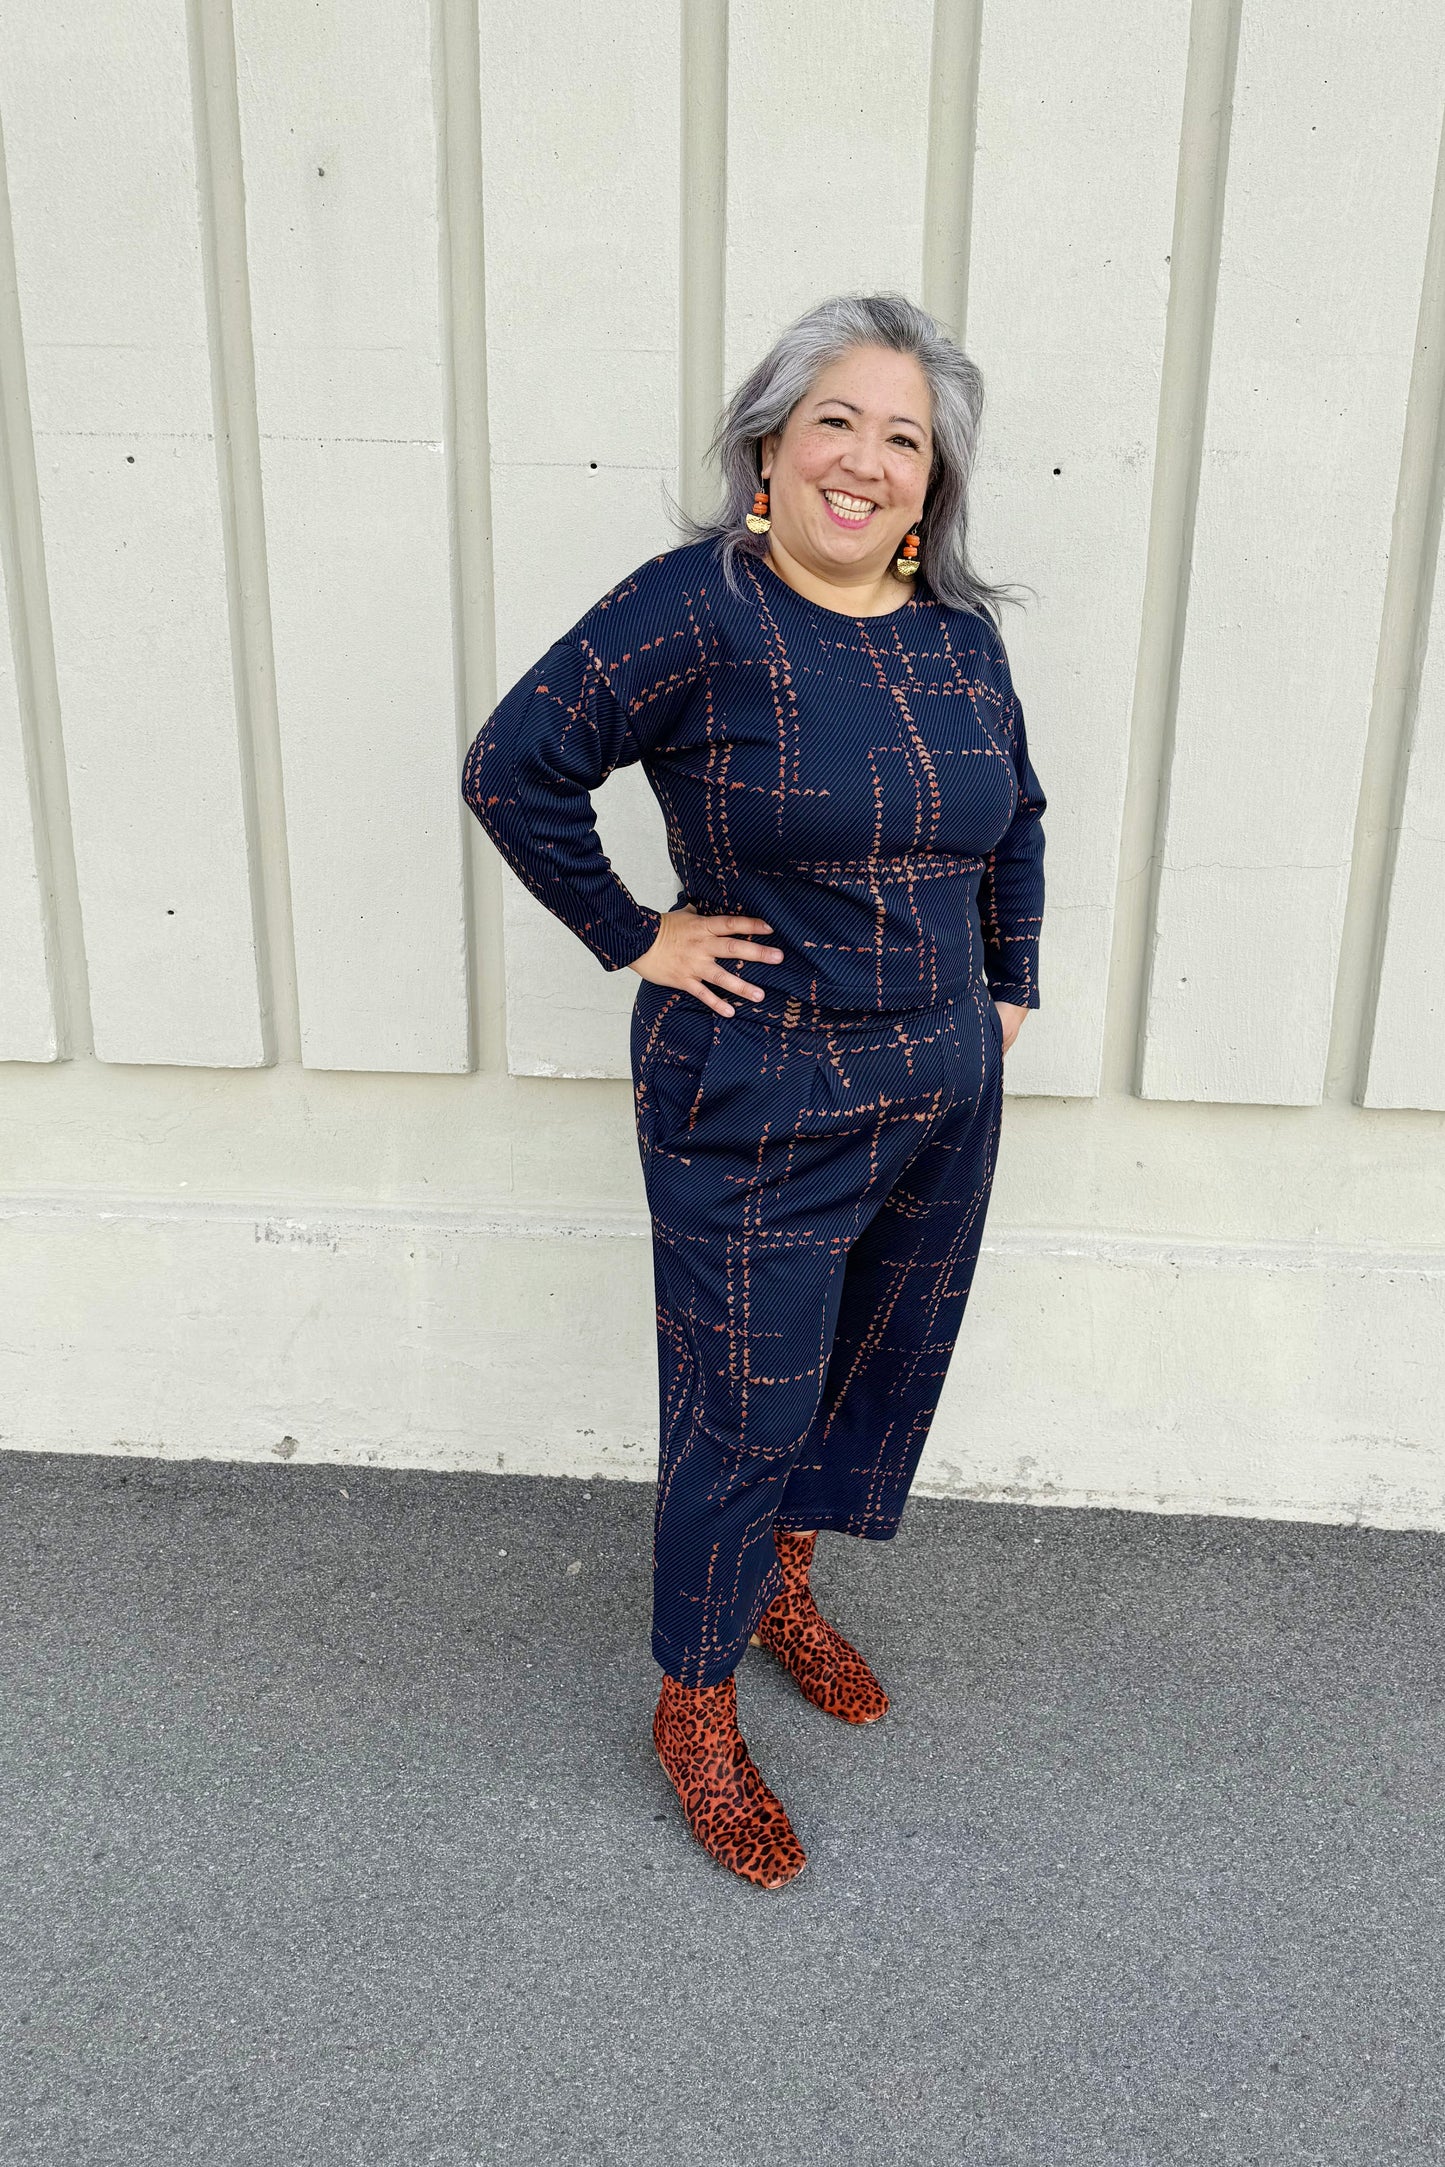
pixel 758 518
pixel 907 564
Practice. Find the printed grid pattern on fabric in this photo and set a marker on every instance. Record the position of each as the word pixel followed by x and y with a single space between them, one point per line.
pixel 818 1200
pixel 818 1165
pixel 862 784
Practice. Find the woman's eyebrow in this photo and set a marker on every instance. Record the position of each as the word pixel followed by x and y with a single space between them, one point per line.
pixel 832 400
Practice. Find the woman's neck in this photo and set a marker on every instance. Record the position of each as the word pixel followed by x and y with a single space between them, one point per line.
pixel 872 595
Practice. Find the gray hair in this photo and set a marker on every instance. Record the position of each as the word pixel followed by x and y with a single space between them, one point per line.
pixel 767 396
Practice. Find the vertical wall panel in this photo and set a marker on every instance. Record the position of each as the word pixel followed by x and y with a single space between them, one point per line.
pixel 27 1010
pixel 580 148
pixel 103 185
pixel 1407 1046
pixel 339 139
pixel 1068 289
pixel 1332 154
pixel 827 158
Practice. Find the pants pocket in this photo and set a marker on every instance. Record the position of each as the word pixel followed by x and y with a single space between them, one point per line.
pixel 674 1053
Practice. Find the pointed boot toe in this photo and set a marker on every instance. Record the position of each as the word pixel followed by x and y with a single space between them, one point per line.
pixel 725 1802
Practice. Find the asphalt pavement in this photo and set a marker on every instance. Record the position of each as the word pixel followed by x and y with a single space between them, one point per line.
pixel 331 1832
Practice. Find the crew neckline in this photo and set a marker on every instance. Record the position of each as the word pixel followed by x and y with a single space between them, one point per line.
pixel 879 616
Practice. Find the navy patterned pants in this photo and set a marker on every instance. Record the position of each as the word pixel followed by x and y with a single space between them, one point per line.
pixel 817 1195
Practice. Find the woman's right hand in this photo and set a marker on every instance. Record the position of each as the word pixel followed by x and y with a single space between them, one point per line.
pixel 686 951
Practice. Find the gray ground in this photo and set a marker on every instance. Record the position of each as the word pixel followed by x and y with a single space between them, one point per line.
pixel 333 1832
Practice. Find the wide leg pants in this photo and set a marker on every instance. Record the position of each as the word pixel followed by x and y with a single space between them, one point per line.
pixel 817 1199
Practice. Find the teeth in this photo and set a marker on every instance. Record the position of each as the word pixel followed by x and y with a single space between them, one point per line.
pixel 853 507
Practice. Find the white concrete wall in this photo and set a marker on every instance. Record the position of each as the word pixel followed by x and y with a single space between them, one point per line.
pixel 345 353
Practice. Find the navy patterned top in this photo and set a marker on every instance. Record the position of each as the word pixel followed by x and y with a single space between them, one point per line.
pixel 861 783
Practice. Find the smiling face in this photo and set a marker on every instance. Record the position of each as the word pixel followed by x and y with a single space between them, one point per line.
pixel 848 473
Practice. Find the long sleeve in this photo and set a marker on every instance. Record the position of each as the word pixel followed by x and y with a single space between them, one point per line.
pixel 1011 891
pixel 559 733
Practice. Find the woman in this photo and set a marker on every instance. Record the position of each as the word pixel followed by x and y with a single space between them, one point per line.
pixel 821 701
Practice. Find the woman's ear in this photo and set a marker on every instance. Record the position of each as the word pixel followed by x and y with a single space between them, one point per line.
pixel 766 449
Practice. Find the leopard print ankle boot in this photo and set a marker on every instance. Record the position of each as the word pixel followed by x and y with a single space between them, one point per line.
pixel 726 1803
pixel 829 1671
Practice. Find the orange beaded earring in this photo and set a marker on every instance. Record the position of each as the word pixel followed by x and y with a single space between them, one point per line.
pixel 907 564
pixel 758 518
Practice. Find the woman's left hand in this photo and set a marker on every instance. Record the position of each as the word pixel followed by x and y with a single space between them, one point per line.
pixel 1010 1016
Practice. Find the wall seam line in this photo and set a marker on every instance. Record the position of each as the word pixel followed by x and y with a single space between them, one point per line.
pixel 221 207
pixel 1195 245
pixel 953 80
pixel 1394 698
pixel 702 245
pixel 462 270
pixel 311 1222
pixel 22 538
